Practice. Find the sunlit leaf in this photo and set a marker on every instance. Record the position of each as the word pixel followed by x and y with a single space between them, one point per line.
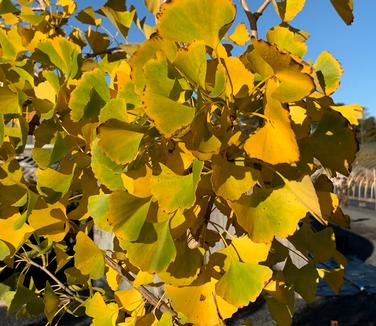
pixel 288 9
pixel 102 313
pixel 329 72
pixel 88 258
pixel 182 187
pixel 187 20
pixel 127 215
pixel 352 112
pixel 242 283
pixel 240 36
pixel 154 249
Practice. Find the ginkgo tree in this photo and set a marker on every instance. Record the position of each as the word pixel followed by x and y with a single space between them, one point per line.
pixel 151 142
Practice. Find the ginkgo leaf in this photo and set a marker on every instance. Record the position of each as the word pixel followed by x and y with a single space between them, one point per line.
pixel 182 187
pixel 191 61
pixel 288 39
pixel 51 303
pixel 344 8
pixel 63 53
pixel 105 170
pixel 130 300
pixel 154 249
pixel 119 141
pixel 98 208
pixel 102 313
pixel 137 181
pixel 240 79
pixel 88 258
pixel 230 181
pixel 329 72
pixel 240 36
pixel 13 235
pixel 4 250
pixel 352 112
pixel 274 142
pixel 288 9
pixel 127 215
pixel 340 144
pixel 89 96
pixel 53 184
pixel 50 222
pixel 9 101
pixel 88 16
pixel 187 20
pixel 186 265
pixel 157 77
pixel 199 303
pixel 305 193
pixel 269 213
pixel 114 109
pixel 168 115
pixel 243 282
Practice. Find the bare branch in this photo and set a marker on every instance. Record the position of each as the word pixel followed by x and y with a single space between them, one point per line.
pixel 53 277
pixel 253 17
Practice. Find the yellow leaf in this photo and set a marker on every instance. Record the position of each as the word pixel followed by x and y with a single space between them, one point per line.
pixel 188 20
pixel 143 278
pixel 88 258
pixel 137 182
pixel 13 235
pixel 240 36
pixel 240 79
pixel 50 222
pixel 352 112
pixel 103 314
pixel 288 9
pixel 131 300
pixel 182 188
pixel 199 303
pixel 275 142
pixel 230 181
pixel 113 279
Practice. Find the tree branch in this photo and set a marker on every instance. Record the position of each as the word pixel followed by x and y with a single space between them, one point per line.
pixel 254 16
pixel 148 296
pixel 54 278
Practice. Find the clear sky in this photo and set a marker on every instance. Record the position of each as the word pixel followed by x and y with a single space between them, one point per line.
pixel 354 46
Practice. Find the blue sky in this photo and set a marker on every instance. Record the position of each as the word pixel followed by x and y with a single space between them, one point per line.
pixel 354 46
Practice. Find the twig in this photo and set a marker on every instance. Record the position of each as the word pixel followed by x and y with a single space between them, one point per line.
pixel 53 277
pixel 254 16
pixel 148 296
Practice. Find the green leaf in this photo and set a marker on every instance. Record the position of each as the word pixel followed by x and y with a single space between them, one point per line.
pixel 287 38
pixel 6 6
pixel 243 283
pixel 345 9
pixel 88 258
pixel 119 17
pixel 329 72
pixel 127 215
pixel 53 184
pixel 191 61
pixel 98 206
pixel 89 96
pixel 9 101
pixel 114 109
pixel 4 250
pixel 269 213
pixel 154 250
pixel 119 141
pixel 189 20
pixel 51 303
pixel 106 171
pixel 182 188
pixel 168 115
pixel 64 54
